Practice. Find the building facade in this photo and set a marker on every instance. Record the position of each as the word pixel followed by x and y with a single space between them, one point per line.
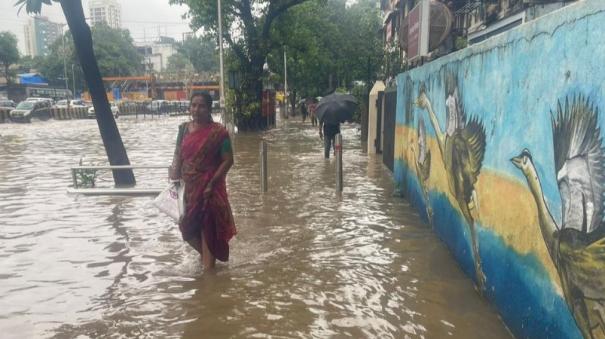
pixel 106 11
pixel 155 55
pixel 453 24
pixel 40 33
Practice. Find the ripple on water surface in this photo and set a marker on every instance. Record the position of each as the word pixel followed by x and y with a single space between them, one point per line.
pixel 305 262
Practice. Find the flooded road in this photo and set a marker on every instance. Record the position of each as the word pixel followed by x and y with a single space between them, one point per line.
pixel 305 264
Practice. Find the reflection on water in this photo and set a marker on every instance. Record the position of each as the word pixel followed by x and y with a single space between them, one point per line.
pixel 304 264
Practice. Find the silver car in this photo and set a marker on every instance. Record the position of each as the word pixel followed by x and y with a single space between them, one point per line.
pixel 115 110
pixel 26 110
pixel 6 103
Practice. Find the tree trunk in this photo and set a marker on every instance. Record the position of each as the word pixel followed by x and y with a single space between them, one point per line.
pixel 251 99
pixel 365 112
pixel 8 79
pixel 114 147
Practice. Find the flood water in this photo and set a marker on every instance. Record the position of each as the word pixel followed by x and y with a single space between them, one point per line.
pixel 305 263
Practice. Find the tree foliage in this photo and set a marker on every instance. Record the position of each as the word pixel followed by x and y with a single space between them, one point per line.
pixel 179 63
pixel 114 50
pixel 247 32
pixel 329 44
pixel 29 64
pixel 201 52
pixel 9 54
pixel 82 36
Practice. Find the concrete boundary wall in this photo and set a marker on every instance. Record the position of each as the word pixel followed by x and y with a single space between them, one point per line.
pixel 500 148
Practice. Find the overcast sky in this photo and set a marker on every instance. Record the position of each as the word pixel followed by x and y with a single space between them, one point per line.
pixel 145 19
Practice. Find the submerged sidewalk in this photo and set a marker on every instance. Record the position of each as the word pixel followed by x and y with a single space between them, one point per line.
pixel 305 262
pixel 361 264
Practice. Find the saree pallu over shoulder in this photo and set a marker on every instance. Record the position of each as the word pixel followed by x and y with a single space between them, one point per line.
pixel 209 218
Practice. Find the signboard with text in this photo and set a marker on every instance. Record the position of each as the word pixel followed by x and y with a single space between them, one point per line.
pixel 418 30
pixel 414 32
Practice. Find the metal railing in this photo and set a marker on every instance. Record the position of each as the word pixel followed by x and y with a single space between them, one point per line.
pixel 81 169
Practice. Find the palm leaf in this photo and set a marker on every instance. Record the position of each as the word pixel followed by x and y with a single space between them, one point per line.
pixel 32 6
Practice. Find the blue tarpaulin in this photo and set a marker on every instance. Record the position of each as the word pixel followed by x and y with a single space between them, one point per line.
pixel 32 79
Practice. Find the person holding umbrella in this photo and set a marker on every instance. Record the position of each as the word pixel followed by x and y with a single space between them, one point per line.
pixel 329 131
pixel 331 111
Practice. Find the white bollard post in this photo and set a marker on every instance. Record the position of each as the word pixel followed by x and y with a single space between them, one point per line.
pixel 338 156
pixel 263 166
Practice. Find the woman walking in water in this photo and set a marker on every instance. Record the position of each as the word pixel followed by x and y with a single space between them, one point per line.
pixel 202 158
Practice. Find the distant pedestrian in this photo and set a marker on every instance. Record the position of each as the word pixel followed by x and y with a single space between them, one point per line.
pixel 304 110
pixel 327 132
pixel 311 104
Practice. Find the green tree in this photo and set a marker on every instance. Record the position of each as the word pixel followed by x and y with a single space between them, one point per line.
pixel 28 63
pixel 179 63
pixel 9 54
pixel 51 65
pixel 114 147
pixel 202 53
pixel 247 31
pixel 114 50
pixel 329 44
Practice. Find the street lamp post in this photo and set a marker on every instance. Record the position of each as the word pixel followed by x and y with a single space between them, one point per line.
pixel 285 85
pixel 220 48
pixel 73 80
pixel 64 61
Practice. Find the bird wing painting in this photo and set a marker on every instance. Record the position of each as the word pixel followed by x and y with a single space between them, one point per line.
pixel 577 246
pixel 462 148
pixel 423 166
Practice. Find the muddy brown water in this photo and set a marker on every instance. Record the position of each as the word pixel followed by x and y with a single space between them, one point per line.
pixel 305 263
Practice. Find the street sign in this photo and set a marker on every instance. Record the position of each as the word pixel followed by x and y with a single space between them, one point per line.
pixel 418 30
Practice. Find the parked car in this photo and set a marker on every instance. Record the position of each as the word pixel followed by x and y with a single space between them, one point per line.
pixel 158 106
pixel 114 109
pixel 6 103
pixel 77 103
pixel 51 101
pixel 69 103
pixel 26 110
pixel 62 104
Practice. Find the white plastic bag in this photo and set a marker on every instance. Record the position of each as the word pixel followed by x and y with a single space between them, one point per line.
pixel 172 200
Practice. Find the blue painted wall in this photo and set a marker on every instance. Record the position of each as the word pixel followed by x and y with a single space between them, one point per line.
pixel 512 85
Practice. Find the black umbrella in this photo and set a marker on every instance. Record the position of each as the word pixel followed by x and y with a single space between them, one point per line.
pixel 336 108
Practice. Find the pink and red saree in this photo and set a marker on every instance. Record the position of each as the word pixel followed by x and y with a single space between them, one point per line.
pixel 209 218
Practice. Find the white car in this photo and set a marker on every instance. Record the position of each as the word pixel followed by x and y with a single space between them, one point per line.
pixel 69 103
pixel 77 103
pixel 6 103
pixel 114 109
pixel 62 104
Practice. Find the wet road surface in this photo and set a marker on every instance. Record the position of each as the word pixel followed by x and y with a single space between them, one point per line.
pixel 305 263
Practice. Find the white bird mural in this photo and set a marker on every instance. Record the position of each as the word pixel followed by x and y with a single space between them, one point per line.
pixel 462 148
pixel 422 160
pixel 577 246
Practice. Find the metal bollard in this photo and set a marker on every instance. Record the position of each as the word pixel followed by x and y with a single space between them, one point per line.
pixel 263 166
pixel 338 156
pixel 74 177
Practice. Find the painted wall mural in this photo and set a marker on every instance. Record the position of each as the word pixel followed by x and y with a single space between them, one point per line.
pixel 499 146
pixel 577 246
pixel 462 147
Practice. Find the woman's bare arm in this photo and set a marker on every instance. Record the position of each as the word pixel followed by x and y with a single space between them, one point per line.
pixel 223 168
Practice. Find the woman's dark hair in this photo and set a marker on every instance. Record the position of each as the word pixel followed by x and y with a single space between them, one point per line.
pixel 205 95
